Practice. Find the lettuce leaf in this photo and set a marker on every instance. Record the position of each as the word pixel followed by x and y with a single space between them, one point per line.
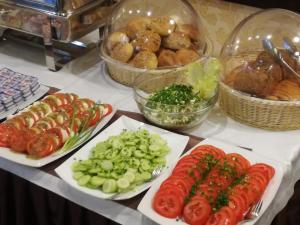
pixel 204 77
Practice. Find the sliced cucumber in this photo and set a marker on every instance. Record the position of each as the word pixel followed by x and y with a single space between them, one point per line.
pixel 84 180
pixel 123 183
pixel 146 176
pixel 107 165
pixel 77 175
pixel 97 181
pixel 109 186
pixel 139 154
pixel 130 176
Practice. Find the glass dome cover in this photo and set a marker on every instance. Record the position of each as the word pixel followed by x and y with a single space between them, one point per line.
pixel 262 55
pixel 153 34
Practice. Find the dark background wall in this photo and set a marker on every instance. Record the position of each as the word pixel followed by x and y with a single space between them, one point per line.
pixel 293 5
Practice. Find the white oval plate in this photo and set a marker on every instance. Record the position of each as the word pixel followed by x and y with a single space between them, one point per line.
pixel 145 205
pixel 25 160
pixel 176 142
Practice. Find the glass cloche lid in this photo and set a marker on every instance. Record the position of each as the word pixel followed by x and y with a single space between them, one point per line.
pixel 262 56
pixel 151 34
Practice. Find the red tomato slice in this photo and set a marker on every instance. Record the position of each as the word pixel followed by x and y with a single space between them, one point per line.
pixel 208 149
pixel 68 109
pixel 96 118
pixel 65 99
pixel 19 139
pixel 197 211
pixel 246 192
pixel 58 132
pixel 109 109
pixel 258 178
pixel 225 216
pixel 18 121
pixel 238 205
pixel 187 158
pixel 167 204
pixel 267 170
pixel 188 171
pixel 41 146
pixel 170 188
pixel 6 131
pixel 178 182
pixel 208 191
pixel 239 161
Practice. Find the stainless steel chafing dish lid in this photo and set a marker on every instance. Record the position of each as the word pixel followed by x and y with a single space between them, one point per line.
pixel 55 6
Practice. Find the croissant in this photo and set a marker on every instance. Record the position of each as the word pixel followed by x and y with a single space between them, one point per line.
pixel 286 90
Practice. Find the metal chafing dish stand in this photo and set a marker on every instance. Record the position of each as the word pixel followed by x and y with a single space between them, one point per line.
pixel 55 25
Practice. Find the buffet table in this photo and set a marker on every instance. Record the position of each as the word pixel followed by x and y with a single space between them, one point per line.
pixel 88 77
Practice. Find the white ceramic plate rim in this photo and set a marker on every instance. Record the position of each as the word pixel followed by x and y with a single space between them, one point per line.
pixel 145 205
pixel 24 160
pixel 124 122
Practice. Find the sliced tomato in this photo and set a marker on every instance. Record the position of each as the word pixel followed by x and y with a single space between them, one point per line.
pixel 238 205
pixel 178 182
pixel 6 131
pixel 187 170
pixel 225 216
pixel 96 118
pixel 170 188
pixel 109 109
pixel 219 181
pixel 18 121
pixel 267 170
pixel 41 146
pixel 197 211
pixel 58 132
pixel 259 178
pixel 51 103
pixel 19 140
pixel 4 145
pixel 69 109
pixel 239 161
pixel 64 98
pixel 168 204
pixel 38 111
pixel 247 192
pixel 208 191
pixel 208 149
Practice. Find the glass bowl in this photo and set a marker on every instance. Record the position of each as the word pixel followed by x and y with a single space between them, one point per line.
pixel 150 37
pixel 176 117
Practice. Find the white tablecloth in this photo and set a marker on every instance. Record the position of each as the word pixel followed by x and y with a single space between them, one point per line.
pixel 87 76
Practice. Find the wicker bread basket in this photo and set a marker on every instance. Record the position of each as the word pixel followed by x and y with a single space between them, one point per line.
pixel 265 114
pixel 257 112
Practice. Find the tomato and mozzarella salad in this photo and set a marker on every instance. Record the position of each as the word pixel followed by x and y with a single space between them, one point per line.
pixel 45 126
pixel 212 188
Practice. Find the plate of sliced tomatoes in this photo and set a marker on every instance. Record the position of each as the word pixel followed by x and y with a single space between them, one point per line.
pixel 50 128
pixel 212 184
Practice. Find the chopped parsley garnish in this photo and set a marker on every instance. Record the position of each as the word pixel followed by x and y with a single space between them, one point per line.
pixel 176 94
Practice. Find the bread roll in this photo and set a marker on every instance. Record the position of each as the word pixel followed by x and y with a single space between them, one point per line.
pixel 188 29
pixel 176 41
pixel 145 60
pixel 122 52
pixel 116 38
pixel 186 56
pixel 136 25
pixel 162 25
pixel 255 80
pixel 286 90
pixel 167 58
pixel 147 41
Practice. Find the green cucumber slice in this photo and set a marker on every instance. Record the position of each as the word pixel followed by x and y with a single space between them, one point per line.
pixel 109 186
